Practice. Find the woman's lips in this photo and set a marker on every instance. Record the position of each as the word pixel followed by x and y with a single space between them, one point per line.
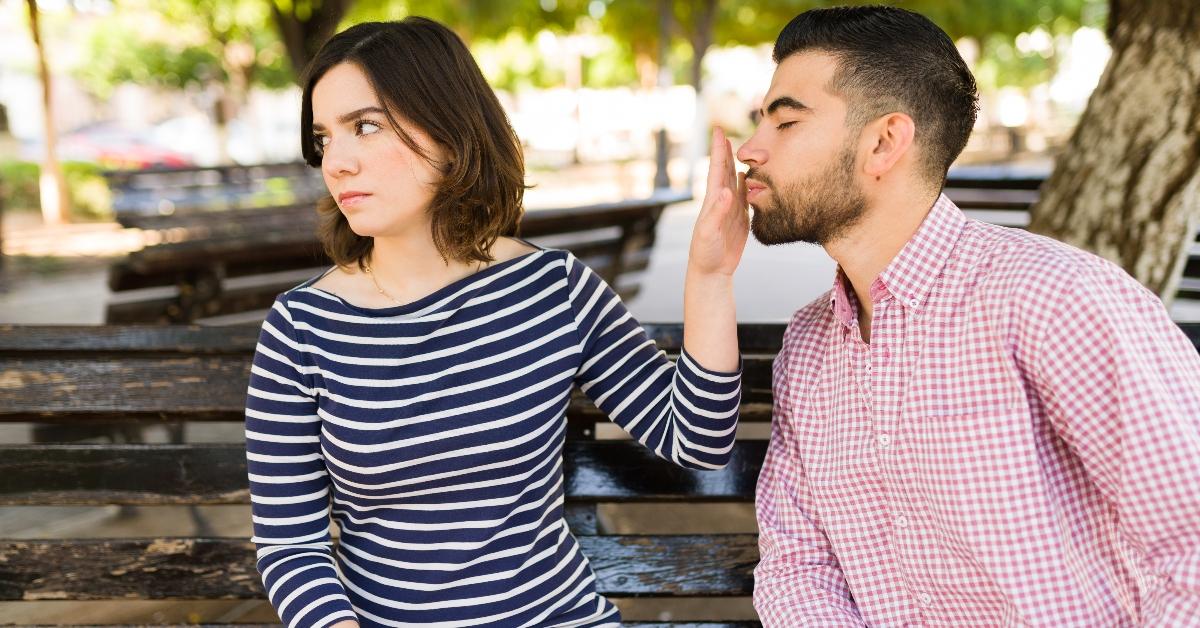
pixel 347 199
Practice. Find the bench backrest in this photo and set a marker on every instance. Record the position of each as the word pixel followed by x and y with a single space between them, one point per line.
pixel 225 263
pixel 148 375
pixel 141 195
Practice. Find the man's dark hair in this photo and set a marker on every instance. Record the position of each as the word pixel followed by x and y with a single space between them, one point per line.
pixel 423 72
pixel 889 60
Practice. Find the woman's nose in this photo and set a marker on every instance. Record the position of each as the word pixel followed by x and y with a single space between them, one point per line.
pixel 338 161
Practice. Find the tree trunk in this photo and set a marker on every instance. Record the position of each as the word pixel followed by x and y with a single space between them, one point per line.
pixel 304 27
pixel 701 38
pixel 662 145
pixel 52 184
pixel 704 22
pixel 1127 185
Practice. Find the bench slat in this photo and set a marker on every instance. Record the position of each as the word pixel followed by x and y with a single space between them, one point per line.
pixel 149 474
pixel 626 624
pixel 207 387
pixel 219 568
pixel 43 339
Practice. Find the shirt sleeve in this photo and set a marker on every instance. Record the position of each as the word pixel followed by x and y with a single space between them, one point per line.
pixel 289 485
pixel 1121 385
pixel 798 580
pixel 684 412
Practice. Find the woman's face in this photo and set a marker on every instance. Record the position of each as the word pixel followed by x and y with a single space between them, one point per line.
pixel 381 185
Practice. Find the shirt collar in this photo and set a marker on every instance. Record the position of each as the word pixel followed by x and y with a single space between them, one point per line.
pixel 911 275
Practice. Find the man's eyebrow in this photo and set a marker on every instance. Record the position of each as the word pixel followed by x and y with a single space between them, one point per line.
pixel 785 101
pixel 347 117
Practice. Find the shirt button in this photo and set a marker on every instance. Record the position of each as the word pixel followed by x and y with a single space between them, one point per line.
pixel 925 599
pixel 901 521
pixel 913 303
pixel 885 440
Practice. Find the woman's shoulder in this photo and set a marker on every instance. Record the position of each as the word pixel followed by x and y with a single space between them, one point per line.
pixel 519 252
pixel 508 248
pixel 316 285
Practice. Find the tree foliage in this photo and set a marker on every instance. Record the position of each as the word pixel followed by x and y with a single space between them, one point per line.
pixel 179 43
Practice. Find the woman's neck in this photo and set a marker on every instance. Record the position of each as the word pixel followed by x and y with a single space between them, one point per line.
pixel 408 268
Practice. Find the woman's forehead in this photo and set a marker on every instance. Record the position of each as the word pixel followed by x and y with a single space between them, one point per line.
pixel 342 89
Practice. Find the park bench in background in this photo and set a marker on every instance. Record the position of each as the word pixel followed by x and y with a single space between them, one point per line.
pixel 999 200
pixel 165 192
pixel 214 264
pixel 147 375
pixel 233 234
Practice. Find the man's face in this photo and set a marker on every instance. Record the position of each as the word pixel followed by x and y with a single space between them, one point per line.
pixel 801 182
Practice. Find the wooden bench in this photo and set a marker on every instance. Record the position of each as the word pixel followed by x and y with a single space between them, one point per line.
pixel 225 263
pixel 150 375
pixel 166 192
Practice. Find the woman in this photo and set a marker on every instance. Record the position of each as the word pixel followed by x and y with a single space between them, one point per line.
pixel 420 385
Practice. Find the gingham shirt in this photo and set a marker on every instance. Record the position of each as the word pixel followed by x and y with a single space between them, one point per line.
pixel 1019 444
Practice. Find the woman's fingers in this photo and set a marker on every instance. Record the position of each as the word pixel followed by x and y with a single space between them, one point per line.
pixel 716 166
pixel 731 173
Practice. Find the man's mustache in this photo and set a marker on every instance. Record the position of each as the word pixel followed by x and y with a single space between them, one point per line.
pixel 755 174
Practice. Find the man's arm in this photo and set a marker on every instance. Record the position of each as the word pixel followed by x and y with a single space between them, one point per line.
pixel 1121 385
pixel 798 580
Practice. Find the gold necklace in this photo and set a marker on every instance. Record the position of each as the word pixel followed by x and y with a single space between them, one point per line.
pixel 367 267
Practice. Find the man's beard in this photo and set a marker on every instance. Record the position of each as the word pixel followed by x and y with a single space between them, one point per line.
pixel 817 210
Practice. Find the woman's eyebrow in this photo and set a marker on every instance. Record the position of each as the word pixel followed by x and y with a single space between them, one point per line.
pixel 347 117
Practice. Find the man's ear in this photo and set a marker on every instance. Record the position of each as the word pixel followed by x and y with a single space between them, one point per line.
pixel 887 140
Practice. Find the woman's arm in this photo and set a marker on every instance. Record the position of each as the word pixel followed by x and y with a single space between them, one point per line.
pixel 685 412
pixel 289 485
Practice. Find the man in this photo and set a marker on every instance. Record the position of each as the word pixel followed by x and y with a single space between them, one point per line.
pixel 977 426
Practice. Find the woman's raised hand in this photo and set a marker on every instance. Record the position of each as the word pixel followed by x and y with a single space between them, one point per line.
pixel 719 237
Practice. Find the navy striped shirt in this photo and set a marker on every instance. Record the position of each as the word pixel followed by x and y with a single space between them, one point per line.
pixel 433 434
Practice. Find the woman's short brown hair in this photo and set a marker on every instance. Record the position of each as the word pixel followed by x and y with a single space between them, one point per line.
pixel 422 71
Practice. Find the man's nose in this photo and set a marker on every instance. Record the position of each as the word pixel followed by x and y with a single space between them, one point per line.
pixel 750 153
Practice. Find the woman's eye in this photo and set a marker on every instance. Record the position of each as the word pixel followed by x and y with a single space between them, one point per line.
pixel 784 125
pixel 366 127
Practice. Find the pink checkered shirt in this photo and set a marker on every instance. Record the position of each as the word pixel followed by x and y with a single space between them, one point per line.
pixel 1018 445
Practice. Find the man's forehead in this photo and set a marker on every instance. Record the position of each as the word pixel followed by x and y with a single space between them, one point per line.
pixel 804 76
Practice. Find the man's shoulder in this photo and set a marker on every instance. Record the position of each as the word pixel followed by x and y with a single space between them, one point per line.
pixel 1031 279
pixel 1027 265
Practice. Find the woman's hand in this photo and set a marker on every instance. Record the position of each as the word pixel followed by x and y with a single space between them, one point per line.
pixel 718 240
pixel 719 237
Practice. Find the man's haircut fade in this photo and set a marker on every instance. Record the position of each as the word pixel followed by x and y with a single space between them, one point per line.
pixel 893 60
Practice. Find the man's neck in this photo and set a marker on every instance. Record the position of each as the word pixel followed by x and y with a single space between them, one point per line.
pixel 870 245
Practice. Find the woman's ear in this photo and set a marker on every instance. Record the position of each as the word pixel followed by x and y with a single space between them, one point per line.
pixel 888 138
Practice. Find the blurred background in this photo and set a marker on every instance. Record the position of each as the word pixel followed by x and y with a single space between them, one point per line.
pixel 130 129
pixel 588 85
